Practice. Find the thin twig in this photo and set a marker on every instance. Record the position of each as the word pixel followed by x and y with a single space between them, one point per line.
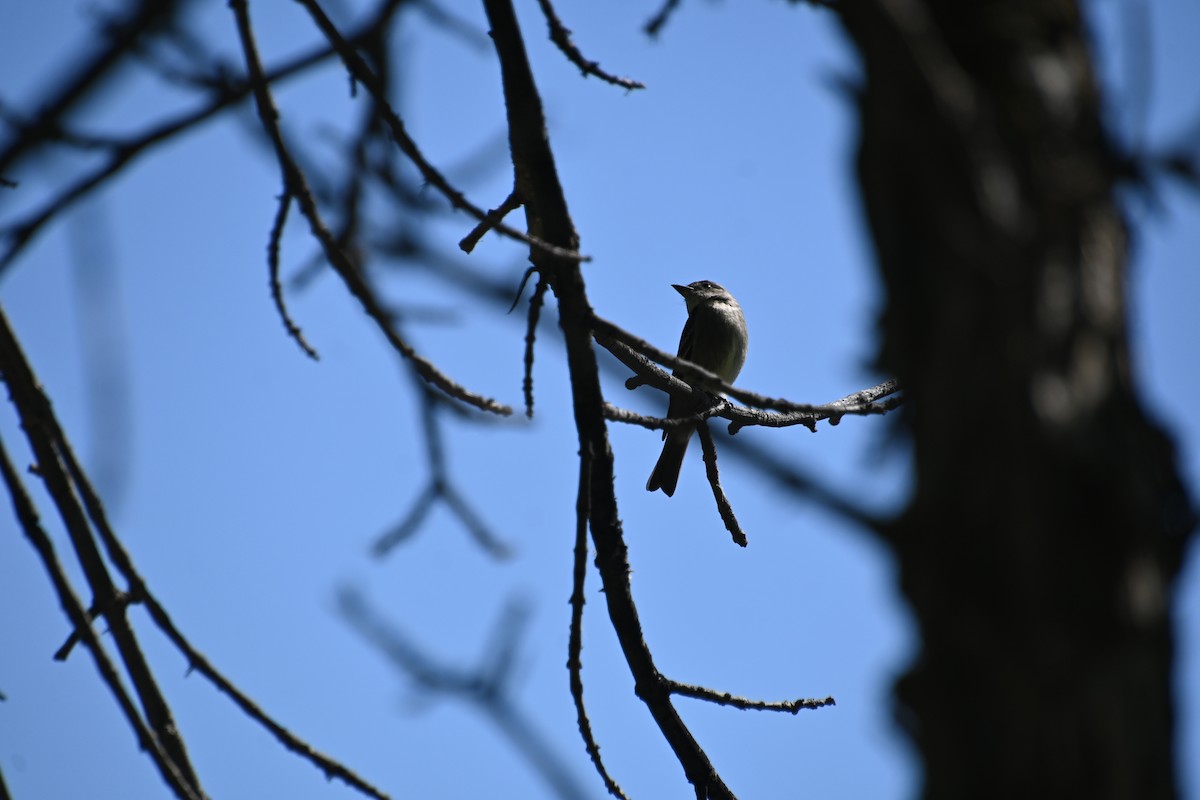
pixel 727 699
pixel 714 480
pixel 94 612
pixel 561 36
pixel 575 644
pixel 490 220
pixel 618 414
pixel 285 203
pixel 535 308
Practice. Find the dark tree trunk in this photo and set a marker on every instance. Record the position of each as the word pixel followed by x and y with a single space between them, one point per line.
pixel 1047 521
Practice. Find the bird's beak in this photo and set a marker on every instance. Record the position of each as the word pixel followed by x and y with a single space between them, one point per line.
pixel 683 290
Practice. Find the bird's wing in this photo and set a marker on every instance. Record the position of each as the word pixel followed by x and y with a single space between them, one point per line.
pixel 687 340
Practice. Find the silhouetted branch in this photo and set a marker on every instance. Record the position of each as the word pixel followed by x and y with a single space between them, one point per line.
pixel 714 480
pixel 575 643
pixel 535 307
pixel 296 184
pixel 156 731
pixel 546 208
pixel 489 221
pixel 746 704
pixel 285 202
pixel 561 36
pixel 363 74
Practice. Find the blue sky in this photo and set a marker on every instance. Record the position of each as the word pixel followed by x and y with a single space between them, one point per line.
pixel 252 480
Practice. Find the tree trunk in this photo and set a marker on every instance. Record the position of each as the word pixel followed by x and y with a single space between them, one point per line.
pixel 1047 520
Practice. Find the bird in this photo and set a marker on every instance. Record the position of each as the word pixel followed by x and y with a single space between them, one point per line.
pixel 715 338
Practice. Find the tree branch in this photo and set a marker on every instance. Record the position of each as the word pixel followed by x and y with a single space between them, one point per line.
pixel 547 214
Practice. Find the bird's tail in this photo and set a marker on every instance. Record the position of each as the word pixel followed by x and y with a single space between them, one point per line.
pixel 666 471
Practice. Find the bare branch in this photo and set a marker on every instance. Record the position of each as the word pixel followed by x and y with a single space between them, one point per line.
pixel 575 644
pixel 535 307
pixel 490 220
pixel 296 184
pixel 561 36
pixel 285 202
pixel 362 73
pixel 617 414
pixel 714 480
pixel 546 207
pixel 727 699
pixel 158 733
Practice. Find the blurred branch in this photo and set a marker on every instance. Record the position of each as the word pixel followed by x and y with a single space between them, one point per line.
pixel 363 74
pixel 655 24
pixel 487 689
pixel 118 38
pixel 296 184
pixel 439 487
pixel 285 203
pixel 123 152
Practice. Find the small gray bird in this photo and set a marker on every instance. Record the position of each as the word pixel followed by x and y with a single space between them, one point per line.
pixel 715 338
